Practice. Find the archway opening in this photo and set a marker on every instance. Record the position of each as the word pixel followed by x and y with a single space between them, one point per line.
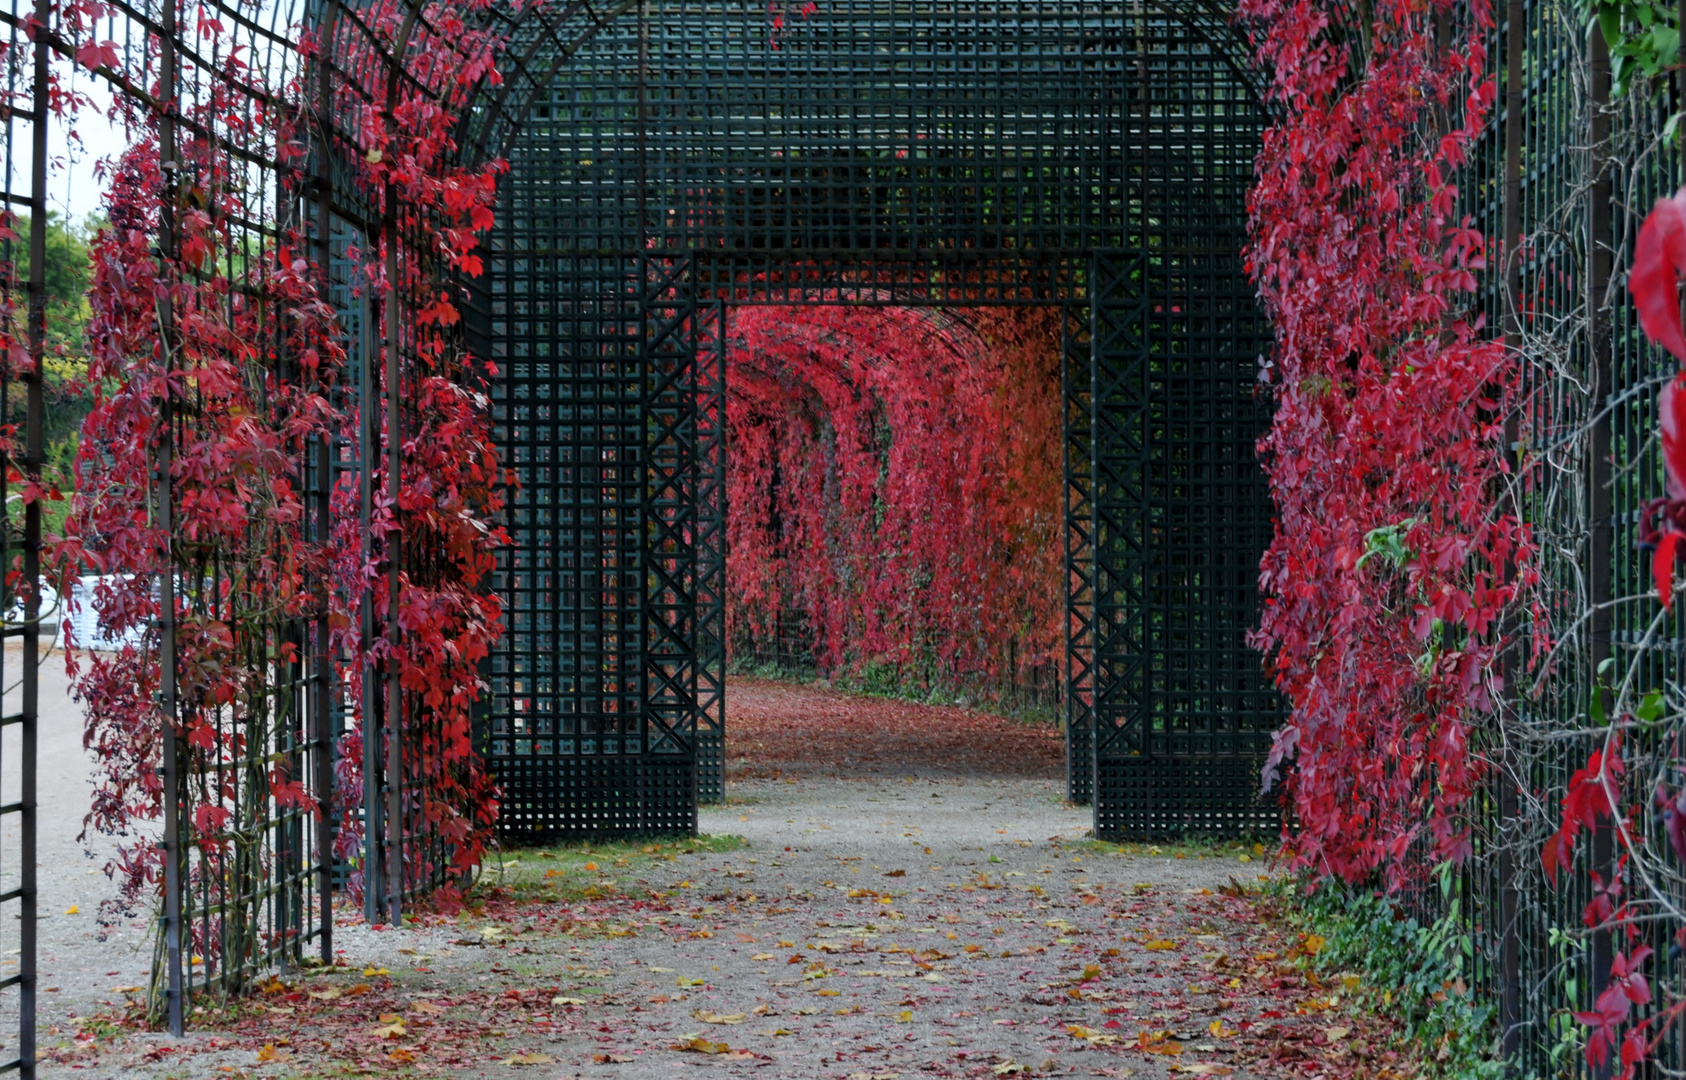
pixel 894 529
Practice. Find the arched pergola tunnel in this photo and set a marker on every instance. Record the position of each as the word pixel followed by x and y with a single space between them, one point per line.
pixel 667 163
pixel 683 159
pixel 670 161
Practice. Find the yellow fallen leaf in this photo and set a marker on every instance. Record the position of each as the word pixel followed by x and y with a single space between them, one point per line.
pixel 1350 982
pixel 716 1018
pixel 325 995
pixel 1008 1068
pixel 1158 1042
pixel 764 956
pixel 827 993
pixel 1090 1035
pixel 1159 944
pixel 691 982
pixel 1312 944
pixel 391 1026
pixel 1218 1030
pixel 1203 1069
pixel 371 971
pixel 402 1055
pixel 567 1001
pixel 700 1045
pixel 74 909
pixel 426 1008
pixel 905 1016
pixel 613 1059
pixel 1335 1034
pixel 269 1055
pixel 528 1059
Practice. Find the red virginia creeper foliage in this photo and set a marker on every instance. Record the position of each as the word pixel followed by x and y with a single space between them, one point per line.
pixel 896 479
pixel 1389 571
pixel 251 356
pixel 1600 793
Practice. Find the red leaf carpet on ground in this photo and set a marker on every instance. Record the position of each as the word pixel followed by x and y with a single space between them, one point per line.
pixel 787 729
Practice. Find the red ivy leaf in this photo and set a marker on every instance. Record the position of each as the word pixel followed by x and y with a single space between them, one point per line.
pixel 1658 259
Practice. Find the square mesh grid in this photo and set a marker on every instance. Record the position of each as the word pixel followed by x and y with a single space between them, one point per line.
pixel 869 153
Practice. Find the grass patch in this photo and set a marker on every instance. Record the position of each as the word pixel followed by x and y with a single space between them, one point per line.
pixel 1417 975
pixel 1247 850
pixel 588 870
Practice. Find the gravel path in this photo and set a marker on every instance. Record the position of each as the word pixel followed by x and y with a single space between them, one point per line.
pixel 871 928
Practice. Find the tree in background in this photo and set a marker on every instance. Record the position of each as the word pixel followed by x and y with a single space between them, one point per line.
pixel 64 372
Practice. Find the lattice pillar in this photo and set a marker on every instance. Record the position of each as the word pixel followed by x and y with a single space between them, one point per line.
pixel 593 720
pixel 1077 381
pixel 1183 713
pixel 671 526
pixel 711 553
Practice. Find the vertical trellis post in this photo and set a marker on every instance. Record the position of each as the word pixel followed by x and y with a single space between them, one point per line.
pixel 1600 508
pixel 175 855
pixel 1076 386
pixel 394 564
pixel 322 737
pixel 1510 990
pixel 368 445
pixel 29 706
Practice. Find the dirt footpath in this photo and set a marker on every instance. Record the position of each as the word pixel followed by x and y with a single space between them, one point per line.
pixel 867 929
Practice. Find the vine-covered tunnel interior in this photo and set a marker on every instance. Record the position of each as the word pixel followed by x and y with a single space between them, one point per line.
pixel 677 167
pixel 894 492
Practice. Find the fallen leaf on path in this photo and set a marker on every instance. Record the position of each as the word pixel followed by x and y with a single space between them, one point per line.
pixel 426 1008
pixel 613 1059
pixel 270 1055
pixel 1008 1068
pixel 568 1001
pixel 1205 1069
pixel 1158 1042
pixel 528 1059
pixel 1335 1034
pixel 700 1045
pixel 764 956
pixel 716 1018
pixel 1090 1035
pixel 325 995
pixel 391 1026
pixel 1159 944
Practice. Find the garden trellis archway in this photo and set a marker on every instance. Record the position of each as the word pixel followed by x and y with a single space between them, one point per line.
pixel 667 161
pixel 671 160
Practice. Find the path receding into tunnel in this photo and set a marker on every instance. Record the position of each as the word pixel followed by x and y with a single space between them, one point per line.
pixel 880 919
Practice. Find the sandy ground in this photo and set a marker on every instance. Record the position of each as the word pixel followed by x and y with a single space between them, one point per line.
pixel 82 965
pixel 872 928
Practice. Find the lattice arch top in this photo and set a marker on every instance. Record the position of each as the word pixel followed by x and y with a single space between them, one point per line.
pixel 782 148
